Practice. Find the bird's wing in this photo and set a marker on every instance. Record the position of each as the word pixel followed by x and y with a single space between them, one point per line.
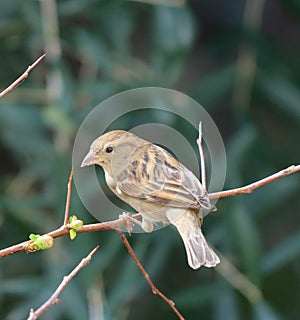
pixel 156 176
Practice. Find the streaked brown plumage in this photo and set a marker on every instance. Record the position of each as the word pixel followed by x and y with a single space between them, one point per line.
pixel 157 186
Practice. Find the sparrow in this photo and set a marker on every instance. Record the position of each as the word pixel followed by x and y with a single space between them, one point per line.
pixel 157 186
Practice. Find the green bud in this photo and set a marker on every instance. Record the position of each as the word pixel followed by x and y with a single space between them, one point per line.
pixel 33 236
pixel 72 218
pixel 76 224
pixel 44 242
pixel 39 242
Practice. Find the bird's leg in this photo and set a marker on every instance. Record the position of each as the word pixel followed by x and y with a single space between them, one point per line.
pixel 147 225
pixel 130 221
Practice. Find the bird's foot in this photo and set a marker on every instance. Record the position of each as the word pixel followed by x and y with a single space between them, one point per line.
pixel 130 221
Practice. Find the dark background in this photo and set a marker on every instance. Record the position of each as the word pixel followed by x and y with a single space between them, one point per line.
pixel 240 60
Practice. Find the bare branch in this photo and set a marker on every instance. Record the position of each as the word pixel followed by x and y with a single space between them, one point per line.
pixel 64 231
pixel 22 77
pixel 202 157
pixel 250 187
pixel 154 289
pixel 68 201
pixel 54 298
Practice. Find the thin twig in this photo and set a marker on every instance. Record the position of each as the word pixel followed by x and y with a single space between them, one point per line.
pixel 68 201
pixel 202 157
pixel 250 187
pixel 154 289
pixel 64 231
pixel 54 298
pixel 22 77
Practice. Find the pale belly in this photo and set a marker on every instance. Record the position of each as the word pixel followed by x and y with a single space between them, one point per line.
pixel 149 211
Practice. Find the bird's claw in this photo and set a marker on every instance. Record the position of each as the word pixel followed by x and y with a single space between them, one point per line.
pixel 129 221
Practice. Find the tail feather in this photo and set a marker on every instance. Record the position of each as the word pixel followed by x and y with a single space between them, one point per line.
pixel 198 251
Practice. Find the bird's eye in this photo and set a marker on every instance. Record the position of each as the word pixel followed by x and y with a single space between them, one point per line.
pixel 109 149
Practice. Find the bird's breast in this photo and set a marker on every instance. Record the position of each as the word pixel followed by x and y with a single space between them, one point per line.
pixel 110 181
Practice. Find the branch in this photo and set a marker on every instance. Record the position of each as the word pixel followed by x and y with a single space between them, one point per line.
pixel 22 77
pixel 202 157
pixel 250 187
pixel 54 298
pixel 68 201
pixel 64 231
pixel 154 289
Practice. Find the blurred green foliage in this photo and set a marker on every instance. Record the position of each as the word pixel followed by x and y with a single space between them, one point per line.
pixel 247 77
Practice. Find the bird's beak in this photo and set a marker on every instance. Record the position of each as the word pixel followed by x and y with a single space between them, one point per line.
pixel 89 159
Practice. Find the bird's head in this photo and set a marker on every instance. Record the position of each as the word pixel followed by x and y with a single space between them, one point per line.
pixel 112 149
pixel 103 148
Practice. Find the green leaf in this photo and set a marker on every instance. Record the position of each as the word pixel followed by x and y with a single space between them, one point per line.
pixel 246 239
pixel 33 236
pixel 283 93
pixel 174 28
pixel 263 311
pixel 23 132
pixel 214 86
pixel 225 305
pixel 198 295
pixel 73 234
pixel 283 253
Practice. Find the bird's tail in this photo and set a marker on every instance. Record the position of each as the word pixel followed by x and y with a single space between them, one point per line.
pixel 189 226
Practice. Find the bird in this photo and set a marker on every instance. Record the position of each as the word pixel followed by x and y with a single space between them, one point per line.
pixel 160 188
